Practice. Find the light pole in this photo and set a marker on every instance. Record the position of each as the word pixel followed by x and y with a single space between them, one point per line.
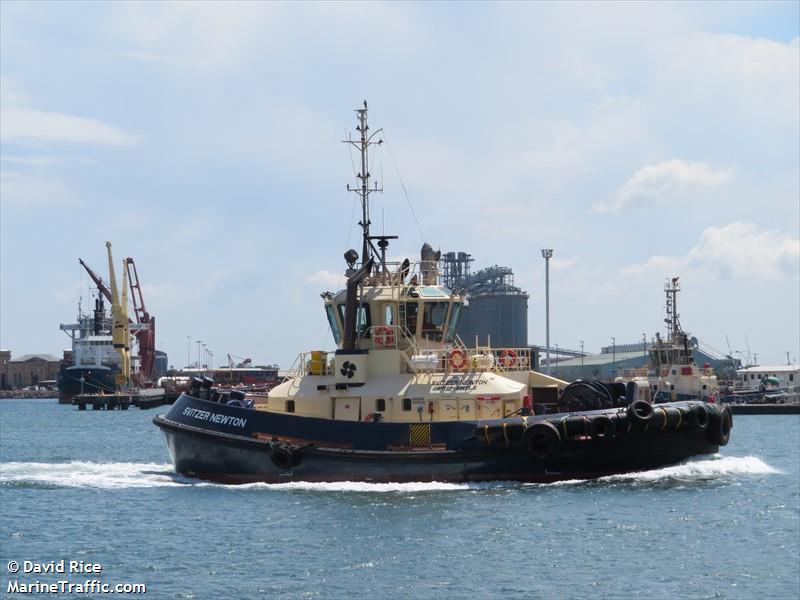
pixel 613 357
pixel 547 254
pixel 581 359
pixel 198 353
pixel 188 351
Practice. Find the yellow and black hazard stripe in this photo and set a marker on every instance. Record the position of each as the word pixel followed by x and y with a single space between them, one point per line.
pixel 419 435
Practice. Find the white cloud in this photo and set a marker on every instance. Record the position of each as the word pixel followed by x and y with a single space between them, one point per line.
pixel 562 264
pixel 328 278
pixel 28 124
pixel 664 179
pixel 162 293
pixel 738 250
pixel 746 252
pixel 28 190
pixel 31 161
pixel 656 266
pixel 754 79
pixel 206 36
pixel 67 293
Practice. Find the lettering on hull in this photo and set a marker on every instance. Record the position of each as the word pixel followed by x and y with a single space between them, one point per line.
pixel 211 417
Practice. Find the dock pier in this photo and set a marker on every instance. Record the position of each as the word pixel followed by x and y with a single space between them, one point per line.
pixel 144 399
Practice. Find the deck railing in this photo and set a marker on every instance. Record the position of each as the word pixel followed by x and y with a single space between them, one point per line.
pixel 457 358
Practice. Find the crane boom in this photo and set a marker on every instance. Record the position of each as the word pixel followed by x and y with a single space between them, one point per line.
pixel 98 281
pixel 119 315
pixel 147 336
pixel 136 292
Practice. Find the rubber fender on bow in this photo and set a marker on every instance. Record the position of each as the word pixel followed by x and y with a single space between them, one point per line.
pixel 697 418
pixel 720 423
pixel 602 427
pixel 666 417
pixel 640 411
pixel 542 440
pixel 285 458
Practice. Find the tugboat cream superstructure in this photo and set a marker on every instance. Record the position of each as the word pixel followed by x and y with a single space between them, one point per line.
pixel 403 399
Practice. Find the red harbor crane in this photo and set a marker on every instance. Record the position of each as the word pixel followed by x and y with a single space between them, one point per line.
pixel 146 336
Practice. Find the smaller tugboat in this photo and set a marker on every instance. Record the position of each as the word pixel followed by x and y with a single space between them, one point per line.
pixel 403 399
pixel 672 374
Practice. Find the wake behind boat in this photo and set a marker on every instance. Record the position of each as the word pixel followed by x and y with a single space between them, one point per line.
pixel 404 399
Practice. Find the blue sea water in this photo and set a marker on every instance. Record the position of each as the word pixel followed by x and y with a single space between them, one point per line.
pixel 97 487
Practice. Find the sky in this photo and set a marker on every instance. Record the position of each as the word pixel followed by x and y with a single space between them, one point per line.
pixel 639 141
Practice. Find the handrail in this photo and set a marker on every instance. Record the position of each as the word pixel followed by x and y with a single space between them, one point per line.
pixel 454 359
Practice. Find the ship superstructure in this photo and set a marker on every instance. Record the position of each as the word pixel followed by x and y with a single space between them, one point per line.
pixel 95 363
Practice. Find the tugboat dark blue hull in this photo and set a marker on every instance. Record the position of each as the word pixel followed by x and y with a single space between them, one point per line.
pixel 231 444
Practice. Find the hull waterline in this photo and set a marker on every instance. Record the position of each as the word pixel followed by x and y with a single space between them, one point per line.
pixel 236 445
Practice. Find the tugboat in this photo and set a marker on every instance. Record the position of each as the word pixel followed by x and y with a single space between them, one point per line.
pixel 672 375
pixel 403 399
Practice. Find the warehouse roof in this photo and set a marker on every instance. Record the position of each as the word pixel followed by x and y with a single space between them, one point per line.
pixel 600 359
pixel 27 357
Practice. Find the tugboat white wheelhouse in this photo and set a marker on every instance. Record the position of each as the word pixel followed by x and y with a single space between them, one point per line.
pixel 404 399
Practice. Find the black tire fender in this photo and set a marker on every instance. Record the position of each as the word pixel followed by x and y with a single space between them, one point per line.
pixel 602 427
pixel 697 418
pixel 542 440
pixel 720 424
pixel 640 411
pixel 283 458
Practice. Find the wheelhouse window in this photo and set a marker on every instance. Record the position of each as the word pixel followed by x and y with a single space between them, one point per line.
pixel 410 309
pixel 455 314
pixel 433 318
pixel 363 319
pixel 337 333
pixel 388 315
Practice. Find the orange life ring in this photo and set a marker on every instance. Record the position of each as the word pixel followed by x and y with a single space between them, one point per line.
pixel 384 336
pixel 458 360
pixel 508 358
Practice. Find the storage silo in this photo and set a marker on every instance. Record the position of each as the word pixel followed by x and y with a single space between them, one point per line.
pixel 497 311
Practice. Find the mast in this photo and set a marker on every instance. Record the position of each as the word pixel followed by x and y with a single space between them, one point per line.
pixel 363 189
pixel 671 288
pixel 677 338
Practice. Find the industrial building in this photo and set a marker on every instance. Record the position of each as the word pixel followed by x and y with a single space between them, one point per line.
pixel 27 370
pixel 497 310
